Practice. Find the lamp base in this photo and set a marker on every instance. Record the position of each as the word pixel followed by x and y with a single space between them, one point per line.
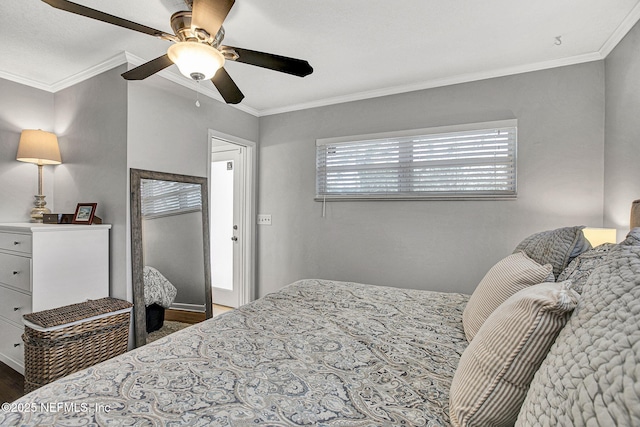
pixel 39 209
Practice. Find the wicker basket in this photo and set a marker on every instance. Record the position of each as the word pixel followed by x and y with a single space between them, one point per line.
pixel 64 340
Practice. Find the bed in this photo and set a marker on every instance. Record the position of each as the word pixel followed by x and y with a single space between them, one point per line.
pixel 561 349
pixel 315 353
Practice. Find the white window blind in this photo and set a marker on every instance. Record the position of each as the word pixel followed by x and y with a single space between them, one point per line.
pixel 471 163
pixel 161 198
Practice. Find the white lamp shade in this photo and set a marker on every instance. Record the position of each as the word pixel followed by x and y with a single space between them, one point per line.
pixel 39 147
pixel 195 60
pixel 598 236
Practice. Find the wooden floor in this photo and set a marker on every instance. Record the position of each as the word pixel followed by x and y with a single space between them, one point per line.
pixel 11 384
pixel 219 309
pixel 193 317
pixel 184 316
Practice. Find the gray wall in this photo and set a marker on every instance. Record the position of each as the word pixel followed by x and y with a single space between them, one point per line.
pixel 105 126
pixel 91 121
pixel 173 246
pixel 22 107
pixel 622 148
pixel 562 158
pixel 435 245
pixel 168 133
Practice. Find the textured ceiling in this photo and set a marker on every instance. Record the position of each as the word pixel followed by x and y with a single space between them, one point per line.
pixel 358 48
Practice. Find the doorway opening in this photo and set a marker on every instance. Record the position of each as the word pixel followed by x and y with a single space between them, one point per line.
pixel 231 174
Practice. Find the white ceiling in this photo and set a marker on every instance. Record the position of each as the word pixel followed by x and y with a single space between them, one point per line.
pixel 358 48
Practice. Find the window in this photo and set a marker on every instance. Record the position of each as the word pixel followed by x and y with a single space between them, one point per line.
pixel 463 162
pixel 162 198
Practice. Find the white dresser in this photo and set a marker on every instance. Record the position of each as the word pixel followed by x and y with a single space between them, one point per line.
pixel 44 266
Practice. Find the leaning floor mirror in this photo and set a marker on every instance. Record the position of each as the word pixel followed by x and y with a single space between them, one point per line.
pixel 171 268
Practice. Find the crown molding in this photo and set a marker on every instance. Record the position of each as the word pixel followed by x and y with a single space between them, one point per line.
pixel 114 61
pixel 430 84
pixel 625 26
pixel 110 63
pixel 616 37
pixel 125 57
pixel 24 81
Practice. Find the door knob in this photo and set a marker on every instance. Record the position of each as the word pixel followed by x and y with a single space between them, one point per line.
pixel 234 238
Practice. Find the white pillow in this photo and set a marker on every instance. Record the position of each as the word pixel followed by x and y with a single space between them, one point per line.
pixel 508 276
pixel 496 369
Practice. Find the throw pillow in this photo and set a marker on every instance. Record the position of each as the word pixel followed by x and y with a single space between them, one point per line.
pixel 495 370
pixel 556 247
pixel 590 376
pixel 580 268
pixel 508 276
pixel 157 288
pixel 633 238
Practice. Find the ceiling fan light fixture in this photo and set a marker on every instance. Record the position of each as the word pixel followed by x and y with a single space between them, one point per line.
pixel 198 61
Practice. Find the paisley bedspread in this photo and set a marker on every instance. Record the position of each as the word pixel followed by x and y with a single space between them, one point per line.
pixel 320 353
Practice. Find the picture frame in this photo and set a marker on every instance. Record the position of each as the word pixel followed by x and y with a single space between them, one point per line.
pixel 85 212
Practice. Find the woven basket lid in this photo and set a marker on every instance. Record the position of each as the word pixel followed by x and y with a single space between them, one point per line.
pixel 76 312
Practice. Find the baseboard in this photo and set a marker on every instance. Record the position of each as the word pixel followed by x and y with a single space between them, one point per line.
pixel 187 307
pixel 13 364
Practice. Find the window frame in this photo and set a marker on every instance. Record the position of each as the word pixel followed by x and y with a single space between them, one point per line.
pixel 509 123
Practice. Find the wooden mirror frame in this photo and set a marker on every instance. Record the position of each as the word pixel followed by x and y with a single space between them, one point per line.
pixel 137 261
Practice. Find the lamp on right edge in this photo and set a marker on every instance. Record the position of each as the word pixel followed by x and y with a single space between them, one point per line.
pixel 598 236
pixel 635 214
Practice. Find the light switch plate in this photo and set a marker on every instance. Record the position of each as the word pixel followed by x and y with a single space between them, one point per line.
pixel 264 219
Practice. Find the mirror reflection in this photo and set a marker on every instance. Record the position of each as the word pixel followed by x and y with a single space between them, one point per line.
pixel 170 246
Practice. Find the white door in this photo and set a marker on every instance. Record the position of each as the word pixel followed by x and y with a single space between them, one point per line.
pixel 227 172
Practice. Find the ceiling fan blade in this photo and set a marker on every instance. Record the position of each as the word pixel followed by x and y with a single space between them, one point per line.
pixel 105 17
pixel 227 87
pixel 147 69
pixel 297 67
pixel 210 14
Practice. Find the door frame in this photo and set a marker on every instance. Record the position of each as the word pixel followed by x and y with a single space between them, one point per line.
pixel 247 270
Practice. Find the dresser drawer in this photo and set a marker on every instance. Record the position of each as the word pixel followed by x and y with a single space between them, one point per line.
pixel 16 242
pixel 14 304
pixel 15 271
pixel 11 345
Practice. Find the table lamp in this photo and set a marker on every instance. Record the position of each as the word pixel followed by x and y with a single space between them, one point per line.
pixel 635 214
pixel 598 236
pixel 41 148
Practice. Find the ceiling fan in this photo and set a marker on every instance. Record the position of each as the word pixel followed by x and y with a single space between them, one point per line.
pixel 197 50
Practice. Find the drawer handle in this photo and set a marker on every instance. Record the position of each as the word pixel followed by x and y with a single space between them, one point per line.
pixel 16 308
pixel 16 345
pixel 15 273
pixel 16 243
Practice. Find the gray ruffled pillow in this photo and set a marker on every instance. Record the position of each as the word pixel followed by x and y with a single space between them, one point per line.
pixel 556 247
pixel 579 270
pixel 633 237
